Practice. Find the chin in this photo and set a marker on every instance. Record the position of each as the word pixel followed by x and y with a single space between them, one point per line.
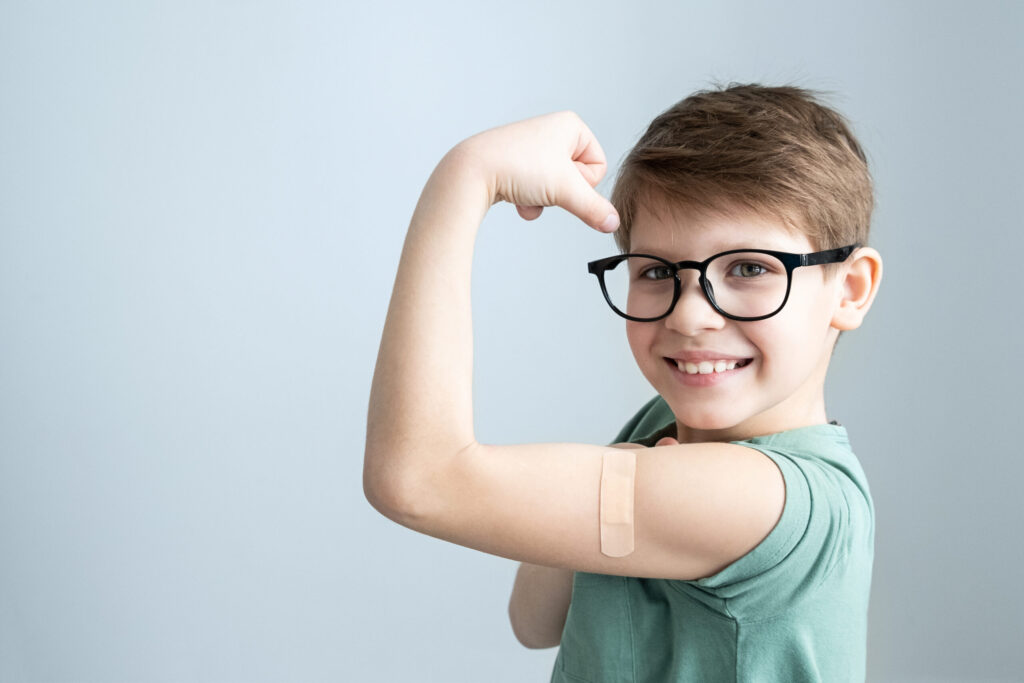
pixel 707 421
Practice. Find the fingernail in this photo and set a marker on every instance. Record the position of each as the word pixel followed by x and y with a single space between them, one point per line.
pixel 611 223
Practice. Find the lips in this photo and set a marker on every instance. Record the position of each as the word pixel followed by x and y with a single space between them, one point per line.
pixel 698 356
pixel 704 379
pixel 706 367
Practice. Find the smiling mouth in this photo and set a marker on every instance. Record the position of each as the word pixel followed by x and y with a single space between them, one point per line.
pixel 708 367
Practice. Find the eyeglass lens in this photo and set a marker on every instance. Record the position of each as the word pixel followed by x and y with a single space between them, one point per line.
pixel 743 284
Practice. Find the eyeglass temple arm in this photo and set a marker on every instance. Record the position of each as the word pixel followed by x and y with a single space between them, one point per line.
pixel 829 256
pixel 600 265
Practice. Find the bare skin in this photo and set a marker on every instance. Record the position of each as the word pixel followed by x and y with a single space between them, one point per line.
pixel 700 506
pixel 540 598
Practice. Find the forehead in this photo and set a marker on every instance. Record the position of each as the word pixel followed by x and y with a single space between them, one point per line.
pixel 696 233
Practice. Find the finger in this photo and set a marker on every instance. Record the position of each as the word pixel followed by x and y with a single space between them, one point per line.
pixel 529 213
pixel 582 200
pixel 591 174
pixel 589 156
pixel 666 441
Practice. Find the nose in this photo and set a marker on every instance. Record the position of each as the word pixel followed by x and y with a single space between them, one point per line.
pixel 693 312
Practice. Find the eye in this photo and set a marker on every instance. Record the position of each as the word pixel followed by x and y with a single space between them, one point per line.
pixel 748 270
pixel 658 272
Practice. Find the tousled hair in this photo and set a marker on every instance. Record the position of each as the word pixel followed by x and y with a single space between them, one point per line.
pixel 772 150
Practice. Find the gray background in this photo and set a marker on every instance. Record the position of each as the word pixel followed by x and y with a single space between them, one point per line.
pixel 201 211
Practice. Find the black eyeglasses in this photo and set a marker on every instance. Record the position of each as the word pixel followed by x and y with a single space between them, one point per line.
pixel 741 284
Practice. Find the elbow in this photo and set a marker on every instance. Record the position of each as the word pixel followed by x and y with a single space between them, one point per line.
pixel 535 645
pixel 407 484
pixel 392 507
pixel 532 645
pixel 376 499
pixel 389 494
pixel 525 637
pixel 380 492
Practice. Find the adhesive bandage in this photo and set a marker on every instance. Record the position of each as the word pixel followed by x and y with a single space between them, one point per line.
pixel 618 474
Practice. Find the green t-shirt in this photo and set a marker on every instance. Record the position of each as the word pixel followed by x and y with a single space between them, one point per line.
pixel 793 609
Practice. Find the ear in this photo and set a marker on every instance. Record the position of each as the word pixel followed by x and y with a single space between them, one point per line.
pixel 857 288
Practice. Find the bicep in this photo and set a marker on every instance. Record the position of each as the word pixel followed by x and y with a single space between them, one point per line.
pixel 698 507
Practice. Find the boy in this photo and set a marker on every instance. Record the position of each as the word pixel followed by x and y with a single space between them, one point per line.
pixel 731 536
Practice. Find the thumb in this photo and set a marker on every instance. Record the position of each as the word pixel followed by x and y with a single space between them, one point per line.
pixel 529 213
pixel 588 205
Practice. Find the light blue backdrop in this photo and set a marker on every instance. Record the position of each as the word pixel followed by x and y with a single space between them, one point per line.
pixel 202 206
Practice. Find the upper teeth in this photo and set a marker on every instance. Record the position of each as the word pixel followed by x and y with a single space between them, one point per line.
pixel 706 366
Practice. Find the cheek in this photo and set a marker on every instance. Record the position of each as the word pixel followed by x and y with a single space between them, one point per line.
pixel 811 303
pixel 786 342
pixel 633 335
pixel 640 337
pixel 768 339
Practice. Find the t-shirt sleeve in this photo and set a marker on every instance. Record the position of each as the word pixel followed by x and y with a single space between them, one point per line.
pixel 798 554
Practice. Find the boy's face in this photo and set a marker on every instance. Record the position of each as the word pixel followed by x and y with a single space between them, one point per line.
pixel 782 387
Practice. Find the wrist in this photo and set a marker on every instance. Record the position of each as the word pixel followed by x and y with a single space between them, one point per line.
pixel 455 198
pixel 469 165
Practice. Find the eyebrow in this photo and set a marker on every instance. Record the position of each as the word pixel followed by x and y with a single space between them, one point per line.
pixel 720 248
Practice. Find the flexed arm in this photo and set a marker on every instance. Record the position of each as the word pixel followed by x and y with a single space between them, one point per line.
pixel 421 399
pixel 699 506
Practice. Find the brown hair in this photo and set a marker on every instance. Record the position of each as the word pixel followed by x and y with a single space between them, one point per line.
pixel 774 150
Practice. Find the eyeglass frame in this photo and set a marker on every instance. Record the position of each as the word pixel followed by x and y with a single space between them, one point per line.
pixel 789 260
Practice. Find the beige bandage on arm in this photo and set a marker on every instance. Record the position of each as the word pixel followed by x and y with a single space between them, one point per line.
pixel 618 476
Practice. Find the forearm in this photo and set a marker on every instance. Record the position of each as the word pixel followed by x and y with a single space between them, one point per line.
pixel 421 404
pixel 539 604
